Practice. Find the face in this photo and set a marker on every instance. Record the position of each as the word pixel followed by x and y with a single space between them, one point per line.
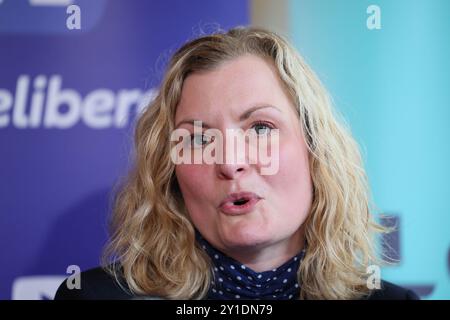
pixel 218 98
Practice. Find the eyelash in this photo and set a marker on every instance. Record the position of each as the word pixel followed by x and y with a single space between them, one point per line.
pixel 263 123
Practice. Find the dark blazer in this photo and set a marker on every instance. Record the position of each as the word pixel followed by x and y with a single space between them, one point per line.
pixel 97 284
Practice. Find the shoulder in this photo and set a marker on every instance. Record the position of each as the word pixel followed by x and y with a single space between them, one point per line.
pixel 96 284
pixel 390 291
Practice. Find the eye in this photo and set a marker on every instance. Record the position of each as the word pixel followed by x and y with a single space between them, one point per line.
pixel 262 127
pixel 200 140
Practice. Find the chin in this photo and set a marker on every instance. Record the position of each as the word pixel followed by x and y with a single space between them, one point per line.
pixel 244 239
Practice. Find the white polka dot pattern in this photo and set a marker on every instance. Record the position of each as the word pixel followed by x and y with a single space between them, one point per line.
pixel 234 280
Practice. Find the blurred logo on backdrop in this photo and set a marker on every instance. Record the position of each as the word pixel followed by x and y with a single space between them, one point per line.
pixel 47 16
pixel 36 287
pixel 45 287
pixel 43 102
pixel 392 252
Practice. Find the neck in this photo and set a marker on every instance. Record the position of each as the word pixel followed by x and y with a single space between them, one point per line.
pixel 269 273
pixel 265 258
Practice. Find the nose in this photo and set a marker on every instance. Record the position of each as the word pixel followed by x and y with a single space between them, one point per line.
pixel 235 160
pixel 231 171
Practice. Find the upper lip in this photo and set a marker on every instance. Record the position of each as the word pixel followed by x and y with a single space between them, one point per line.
pixel 238 196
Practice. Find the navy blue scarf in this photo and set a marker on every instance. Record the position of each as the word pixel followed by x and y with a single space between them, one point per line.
pixel 233 280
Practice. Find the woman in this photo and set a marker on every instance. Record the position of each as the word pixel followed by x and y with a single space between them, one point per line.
pixel 225 230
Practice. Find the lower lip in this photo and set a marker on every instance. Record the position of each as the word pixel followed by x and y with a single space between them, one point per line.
pixel 232 209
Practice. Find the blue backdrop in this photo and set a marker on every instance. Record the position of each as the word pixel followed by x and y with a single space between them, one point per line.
pixel 68 99
pixel 67 102
pixel 392 85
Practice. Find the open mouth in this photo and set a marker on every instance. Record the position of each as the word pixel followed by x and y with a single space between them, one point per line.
pixel 240 202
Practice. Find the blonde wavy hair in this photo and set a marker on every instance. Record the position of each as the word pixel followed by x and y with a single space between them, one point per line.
pixel 152 237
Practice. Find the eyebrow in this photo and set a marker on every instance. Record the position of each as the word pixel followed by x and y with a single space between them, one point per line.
pixel 242 117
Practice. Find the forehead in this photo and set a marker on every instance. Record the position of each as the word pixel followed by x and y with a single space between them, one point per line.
pixel 231 87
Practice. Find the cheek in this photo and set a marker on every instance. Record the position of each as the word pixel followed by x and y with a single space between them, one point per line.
pixel 195 184
pixel 191 179
pixel 293 184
